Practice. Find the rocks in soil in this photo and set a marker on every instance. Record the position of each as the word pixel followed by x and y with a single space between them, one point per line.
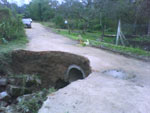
pixel 2 88
pixel 3 104
pixel 4 96
pixel 25 97
pixel 9 109
pixel 3 81
pixel 16 91
pixel 17 87
pixel 12 81
pixel 32 81
pixel 51 67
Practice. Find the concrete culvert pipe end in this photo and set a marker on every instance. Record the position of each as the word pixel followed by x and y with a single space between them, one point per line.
pixel 74 73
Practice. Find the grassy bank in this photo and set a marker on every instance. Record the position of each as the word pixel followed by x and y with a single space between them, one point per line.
pixel 12 45
pixel 12 33
pixel 94 38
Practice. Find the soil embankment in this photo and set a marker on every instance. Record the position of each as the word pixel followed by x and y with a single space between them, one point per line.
pixel 52 66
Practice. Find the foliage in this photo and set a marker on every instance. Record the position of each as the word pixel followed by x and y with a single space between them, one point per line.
pixel 141 39
pixel 33 104
pixel 89 35
pixel 5 60
pixel 49 24
pixel 59 21
pixel 128 50
pixel 19 43
pixel 11 27
pixel 41 10
pixel 89 15
pixel 94 42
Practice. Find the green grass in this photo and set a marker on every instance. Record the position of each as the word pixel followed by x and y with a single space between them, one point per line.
pixel 94 40
pixel 48 24
pixel 141 39
pixel 15 44
pixel 90 36
pixel 106 43
pixel 123 49
pixel 34 101
pixel 75 34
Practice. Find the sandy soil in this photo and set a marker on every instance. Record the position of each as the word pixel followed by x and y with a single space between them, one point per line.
pixel 98 93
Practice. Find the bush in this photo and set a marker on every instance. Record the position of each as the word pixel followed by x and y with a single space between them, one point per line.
pixel 11 26
pixel 59 21
pixel 33 102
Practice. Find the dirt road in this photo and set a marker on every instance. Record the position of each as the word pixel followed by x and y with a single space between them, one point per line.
pixel 98 93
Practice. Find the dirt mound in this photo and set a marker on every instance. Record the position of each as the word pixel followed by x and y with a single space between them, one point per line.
pixel 52 66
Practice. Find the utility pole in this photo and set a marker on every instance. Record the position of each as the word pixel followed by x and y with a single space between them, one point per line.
pixel 120 35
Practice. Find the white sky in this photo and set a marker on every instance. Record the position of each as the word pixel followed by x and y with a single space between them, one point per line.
pixel 20 2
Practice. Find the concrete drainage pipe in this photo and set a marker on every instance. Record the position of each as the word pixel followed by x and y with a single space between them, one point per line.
pixel 74 73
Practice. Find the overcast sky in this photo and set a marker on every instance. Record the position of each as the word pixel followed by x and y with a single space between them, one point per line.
pixel 20 2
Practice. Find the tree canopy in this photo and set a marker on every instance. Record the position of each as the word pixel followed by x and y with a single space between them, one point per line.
pixel 93 14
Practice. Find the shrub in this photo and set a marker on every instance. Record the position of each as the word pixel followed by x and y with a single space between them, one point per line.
pixel 59 21
pixel 34 101
pixel 11 26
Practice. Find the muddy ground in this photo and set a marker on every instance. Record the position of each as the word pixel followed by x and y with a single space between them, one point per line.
pixel 98 93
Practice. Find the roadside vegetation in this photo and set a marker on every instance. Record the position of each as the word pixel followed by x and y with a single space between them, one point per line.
pixel 106 43
pixel 11 27
pixel 97 21
pixel 32 103
pixel 12 34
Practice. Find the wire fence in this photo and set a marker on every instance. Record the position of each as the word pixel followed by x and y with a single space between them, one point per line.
pixel 135 30
pixel 137 35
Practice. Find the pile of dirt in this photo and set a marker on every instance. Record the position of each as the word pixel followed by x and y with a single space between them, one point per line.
pixel 52 66
pixel 5 64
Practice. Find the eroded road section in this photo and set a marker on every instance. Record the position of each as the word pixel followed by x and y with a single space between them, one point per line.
pixel 99 93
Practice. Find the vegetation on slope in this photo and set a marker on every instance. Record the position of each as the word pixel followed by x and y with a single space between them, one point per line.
pixel 94 39
pixel 106 43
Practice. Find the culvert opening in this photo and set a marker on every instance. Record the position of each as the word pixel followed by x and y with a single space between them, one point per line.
pixel 75 73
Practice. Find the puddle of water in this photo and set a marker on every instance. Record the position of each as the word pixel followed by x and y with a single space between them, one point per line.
pixel 119 74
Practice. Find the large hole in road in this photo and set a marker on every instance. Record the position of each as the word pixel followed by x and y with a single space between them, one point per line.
pixel 56 69
pixel 74 73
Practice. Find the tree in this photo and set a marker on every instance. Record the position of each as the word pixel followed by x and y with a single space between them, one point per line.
pixel 41 10
pixel 88 15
